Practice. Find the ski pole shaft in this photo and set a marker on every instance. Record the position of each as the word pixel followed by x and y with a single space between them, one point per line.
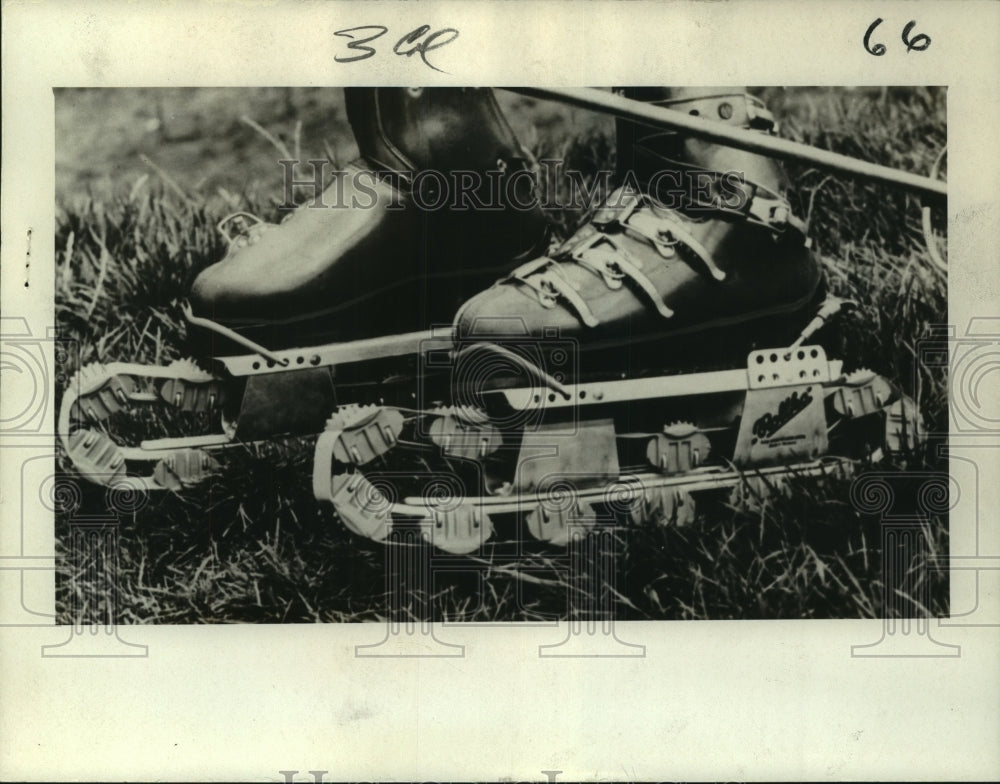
pixel 661 117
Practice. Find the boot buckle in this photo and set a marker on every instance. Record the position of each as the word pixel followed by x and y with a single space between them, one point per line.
pixel 671 225
pixel 547 292
pixel 617 266
pixel 618 207
pixel 612 274
pixel 249 221
pixel 759 118
pixel 551 285
pixel 604 265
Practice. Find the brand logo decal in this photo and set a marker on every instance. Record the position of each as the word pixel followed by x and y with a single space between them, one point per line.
pixel 789 408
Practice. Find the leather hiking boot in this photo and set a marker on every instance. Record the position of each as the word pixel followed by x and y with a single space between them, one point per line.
pixel 691 263
pixel 440 204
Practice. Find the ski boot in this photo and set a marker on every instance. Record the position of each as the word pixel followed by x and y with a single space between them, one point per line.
pixel 393 243
pixel 352 280
pixel 696 258
pixel 631 370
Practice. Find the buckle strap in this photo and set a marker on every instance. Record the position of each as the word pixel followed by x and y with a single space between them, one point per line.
pixel 772 210
pixel 616 208
pixel 519 273
pixel 718 192
pixel 613 268
pixel 664 230
pixel 549 284
pixel 252 228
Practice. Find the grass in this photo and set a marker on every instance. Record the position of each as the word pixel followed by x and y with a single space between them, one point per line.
pixel 253 545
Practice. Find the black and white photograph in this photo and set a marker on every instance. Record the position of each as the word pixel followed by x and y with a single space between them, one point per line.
pixel 472 354
pixel 478 391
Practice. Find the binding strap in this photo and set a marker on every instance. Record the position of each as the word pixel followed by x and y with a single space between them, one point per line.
pixel 597 251
pixel 549 281
pixel 602 255
pixel 666 231
pixel 717 192
pixel 663 228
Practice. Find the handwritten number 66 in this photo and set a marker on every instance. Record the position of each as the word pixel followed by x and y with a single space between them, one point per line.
pixel 916 43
